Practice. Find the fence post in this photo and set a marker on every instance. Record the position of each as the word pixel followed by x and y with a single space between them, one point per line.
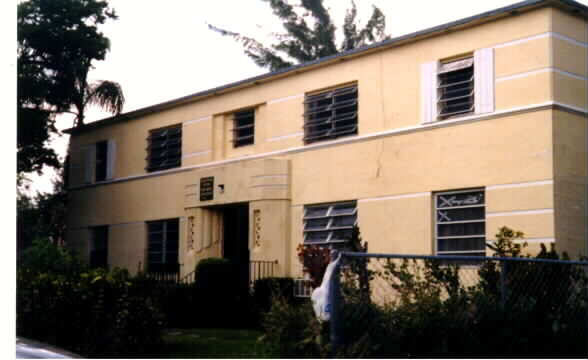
pixel 334 297
pixel 503 287
pixel 586 271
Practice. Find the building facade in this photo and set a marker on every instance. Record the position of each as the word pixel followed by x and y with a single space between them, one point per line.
pixel 428 142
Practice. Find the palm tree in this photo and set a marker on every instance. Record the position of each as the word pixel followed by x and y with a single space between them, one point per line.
pixel 105 94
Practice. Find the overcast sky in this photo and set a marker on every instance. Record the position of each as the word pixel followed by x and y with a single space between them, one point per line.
pixel 164 50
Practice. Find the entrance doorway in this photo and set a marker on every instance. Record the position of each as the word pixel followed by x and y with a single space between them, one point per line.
pixel 236 240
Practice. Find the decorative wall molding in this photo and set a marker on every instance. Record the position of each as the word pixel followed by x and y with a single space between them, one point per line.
pixel 546 240
pixel 395 197
pixel 541 36
pixel 519 185
pixel 287 136
pixel 198 153
pixel 519 212
pixel 190 122
pixel 286 98
pixel 257 228
pixel 538 71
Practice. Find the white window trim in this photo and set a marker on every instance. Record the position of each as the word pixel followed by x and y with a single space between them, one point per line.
pixel 110 159
pixel 484 89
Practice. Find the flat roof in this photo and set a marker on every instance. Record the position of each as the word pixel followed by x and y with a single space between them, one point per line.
pixel 567 5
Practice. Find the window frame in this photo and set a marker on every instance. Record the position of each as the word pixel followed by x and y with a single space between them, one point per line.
pixel 455 66
pixel 331 217
pixel 241 136
pixel 165 266
pixel 348 112
pixel 166 161
pixel 436 208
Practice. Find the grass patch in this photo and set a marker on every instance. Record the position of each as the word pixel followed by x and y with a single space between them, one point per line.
pixel 211 343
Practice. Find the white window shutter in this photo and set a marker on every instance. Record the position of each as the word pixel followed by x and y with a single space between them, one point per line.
pixel 89 163
pixel 110 159
pixel 429 92
pixel 484 80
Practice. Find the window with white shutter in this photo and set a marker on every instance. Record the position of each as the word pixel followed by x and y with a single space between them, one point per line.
pixel 455 88
pixel 99 161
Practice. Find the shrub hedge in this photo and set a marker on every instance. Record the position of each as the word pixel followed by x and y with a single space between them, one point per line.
pixel 94 313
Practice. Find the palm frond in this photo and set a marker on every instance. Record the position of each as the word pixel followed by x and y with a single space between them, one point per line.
pixel 107 95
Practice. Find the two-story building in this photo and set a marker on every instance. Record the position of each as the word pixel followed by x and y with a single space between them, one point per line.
pixel 429 142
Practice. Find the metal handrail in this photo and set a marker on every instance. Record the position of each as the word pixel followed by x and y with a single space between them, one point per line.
pixel 260 269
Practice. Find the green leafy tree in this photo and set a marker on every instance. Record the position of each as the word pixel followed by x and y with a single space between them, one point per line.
pixel 57 42
pixel 310 34
pixel 41 216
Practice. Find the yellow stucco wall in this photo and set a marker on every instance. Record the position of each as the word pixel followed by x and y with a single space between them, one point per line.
pixel 570 57
pixel 392 168
pixel 573 26
pixel 379 77
pixel 570 182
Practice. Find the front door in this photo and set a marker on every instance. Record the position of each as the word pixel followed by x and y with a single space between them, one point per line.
pixel 236 240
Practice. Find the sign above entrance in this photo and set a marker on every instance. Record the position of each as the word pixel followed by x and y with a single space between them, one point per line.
pixel 206 188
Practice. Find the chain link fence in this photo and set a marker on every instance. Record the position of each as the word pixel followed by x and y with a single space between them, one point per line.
pixel 458 306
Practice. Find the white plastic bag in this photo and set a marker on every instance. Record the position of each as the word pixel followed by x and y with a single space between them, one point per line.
pixel 321 303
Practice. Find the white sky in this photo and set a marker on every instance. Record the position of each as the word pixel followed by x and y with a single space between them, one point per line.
pixel 164 50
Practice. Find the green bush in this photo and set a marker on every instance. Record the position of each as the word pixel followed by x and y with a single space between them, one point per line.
pixel 541 314
pixel 265 289
pixel 95 313
pixel 45 257
pixel 214 274
pixel 436 315
pixel 221 301
pixel 292 331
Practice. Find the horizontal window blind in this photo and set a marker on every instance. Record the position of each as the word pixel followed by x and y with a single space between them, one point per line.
pixel 456 88
pixel 461 223
pixel 331 114
pixel 244 127
pixel 164 149
pixel 329 223
pixel 163 246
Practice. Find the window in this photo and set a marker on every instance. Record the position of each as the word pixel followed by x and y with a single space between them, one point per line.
pixel 456 88
pixel 329 223
pixel 101 160
pixel 243 130
pixel 163 246
pixel 164 150
pixel 99 247
pixel 330 114
pixel 461 223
